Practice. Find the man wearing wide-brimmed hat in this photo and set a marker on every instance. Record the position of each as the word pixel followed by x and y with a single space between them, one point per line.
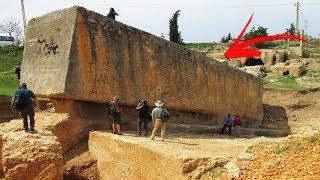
pixel 156 120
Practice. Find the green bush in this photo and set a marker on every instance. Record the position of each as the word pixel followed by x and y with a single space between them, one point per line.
pixel 311 138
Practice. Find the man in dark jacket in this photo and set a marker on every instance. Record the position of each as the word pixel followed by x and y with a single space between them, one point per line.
pixel 17 72
pixel 112 14
pixel 144 116
pixel 30 104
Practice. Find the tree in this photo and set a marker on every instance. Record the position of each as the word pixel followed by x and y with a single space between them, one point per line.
pixel 13 28
pixel 261 31
pixel 291 30
pixel 225 39
pixel 10 26
pixel 174 33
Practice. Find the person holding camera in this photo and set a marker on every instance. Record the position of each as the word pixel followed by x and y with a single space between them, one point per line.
pixel 144 116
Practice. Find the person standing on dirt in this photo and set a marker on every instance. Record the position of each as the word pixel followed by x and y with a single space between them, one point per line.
pixel 227 123
pixel 237 123
pixel 112 14
pixel 115 111
pixel 144 117
pixel 157 121
pixel 30 105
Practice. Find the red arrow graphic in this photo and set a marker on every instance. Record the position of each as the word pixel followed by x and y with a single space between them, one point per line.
pixel 238 49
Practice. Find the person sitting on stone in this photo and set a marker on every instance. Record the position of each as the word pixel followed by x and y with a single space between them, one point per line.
pixel 227 123
pixel 112 14
pixel 237 123
pixel 144 116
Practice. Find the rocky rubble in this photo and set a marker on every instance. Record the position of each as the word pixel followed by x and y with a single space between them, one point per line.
pixel 298 158
pixel 24 155
pixel 31 156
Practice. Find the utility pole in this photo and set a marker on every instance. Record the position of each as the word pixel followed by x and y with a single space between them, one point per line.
pixel 23 15
pixel 297 17
pixel 305 29
pixel 301 44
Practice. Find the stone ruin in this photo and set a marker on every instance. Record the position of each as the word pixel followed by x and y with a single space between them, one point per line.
pixel 81 60
pixel 277 62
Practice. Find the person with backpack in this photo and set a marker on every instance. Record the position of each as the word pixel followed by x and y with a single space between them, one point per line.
pixel 26 102
pixel 144 116
pixel 237 123
pixel 227 123
pixel 160 117
pixel 115 111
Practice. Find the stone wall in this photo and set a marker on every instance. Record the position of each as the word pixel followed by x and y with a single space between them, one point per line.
pixel 77 54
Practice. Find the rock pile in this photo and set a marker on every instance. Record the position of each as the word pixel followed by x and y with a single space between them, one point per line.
pixel 295 158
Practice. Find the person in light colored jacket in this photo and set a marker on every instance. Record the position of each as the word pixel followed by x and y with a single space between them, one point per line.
pixel 157 122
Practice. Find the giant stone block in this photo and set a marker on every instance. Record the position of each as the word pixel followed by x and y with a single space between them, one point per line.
pixel 76 54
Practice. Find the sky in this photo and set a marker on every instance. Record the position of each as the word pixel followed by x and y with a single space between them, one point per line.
pixel 199 20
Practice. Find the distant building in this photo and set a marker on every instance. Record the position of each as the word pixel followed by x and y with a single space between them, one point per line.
pixel 6 40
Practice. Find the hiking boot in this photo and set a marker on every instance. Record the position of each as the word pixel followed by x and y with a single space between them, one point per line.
pixel 33 131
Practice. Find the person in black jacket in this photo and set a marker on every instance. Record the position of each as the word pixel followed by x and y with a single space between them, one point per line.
pixel 144 116
pixel 112 14
pixel 17 72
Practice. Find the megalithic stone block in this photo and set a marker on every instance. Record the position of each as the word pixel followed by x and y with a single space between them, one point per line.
pixel 81 55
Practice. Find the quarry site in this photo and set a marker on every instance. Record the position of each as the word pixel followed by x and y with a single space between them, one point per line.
pixel 78 60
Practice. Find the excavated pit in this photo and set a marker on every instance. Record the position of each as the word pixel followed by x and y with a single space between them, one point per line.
pixel 253 62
